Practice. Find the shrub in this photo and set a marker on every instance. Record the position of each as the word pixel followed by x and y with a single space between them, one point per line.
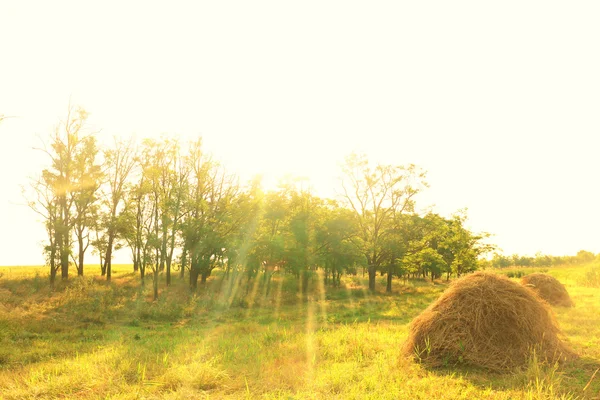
pixel 590 278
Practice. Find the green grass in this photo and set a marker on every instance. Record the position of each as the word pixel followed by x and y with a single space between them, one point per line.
pixel 89 339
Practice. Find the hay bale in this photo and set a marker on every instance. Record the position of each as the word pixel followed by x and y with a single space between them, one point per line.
pixel 548 288
pixel 485 320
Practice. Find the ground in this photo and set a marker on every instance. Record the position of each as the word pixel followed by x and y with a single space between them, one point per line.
pixel 90 339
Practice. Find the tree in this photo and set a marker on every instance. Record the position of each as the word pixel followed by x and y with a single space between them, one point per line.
pixel 501 261
pixel 303 218
pixel 212 215
pixel 336 242
pixel 437 245
pixel 169 175
pixel 377 195
pixel 133 222
pixel 72 155
pixel 44 202
pixel 147 242
pixel 426 259
pixel 119 162
pixel 461 248
pixel 87 175
pixel 584 256
pixel 262 245
pixel 405 238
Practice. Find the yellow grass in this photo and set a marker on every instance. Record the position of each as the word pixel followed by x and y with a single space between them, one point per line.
pixel 88 339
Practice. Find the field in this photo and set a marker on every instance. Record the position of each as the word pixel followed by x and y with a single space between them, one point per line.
pixel 90 339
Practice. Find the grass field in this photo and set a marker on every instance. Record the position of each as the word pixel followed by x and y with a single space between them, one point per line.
pixel 89 339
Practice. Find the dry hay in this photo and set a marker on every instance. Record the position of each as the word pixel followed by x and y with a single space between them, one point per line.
pixel 548 288
pixel 488 321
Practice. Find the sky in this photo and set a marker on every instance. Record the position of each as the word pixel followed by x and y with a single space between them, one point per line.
pixel 498 101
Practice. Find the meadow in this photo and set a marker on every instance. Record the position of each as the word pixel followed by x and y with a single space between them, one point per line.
pixel 89 339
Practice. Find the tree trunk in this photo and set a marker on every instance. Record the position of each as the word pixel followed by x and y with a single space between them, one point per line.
pixel 81 256
pixel 141 263
pixel 194 273
pixel 183 263
pixel 304 282
pixel 203 277
pixel 108 258
pixel 136 265
pixel 155 283
pixel 168 273
pixel 170 252
pixel 52 264
pixel 52 274
pixel 248 283
pixel 64 257
pixel 269 276
pixel 390 275
pixel 163 247
pixel 64 263
pixel 372 276
pixel 107 262
pixel 102 266
pixel 80 266
pixel 63 241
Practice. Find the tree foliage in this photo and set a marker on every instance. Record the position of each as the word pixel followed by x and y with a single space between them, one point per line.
pixel 176 209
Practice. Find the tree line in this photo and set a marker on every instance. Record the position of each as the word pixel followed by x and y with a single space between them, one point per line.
pixel 539 260
pixel 179 211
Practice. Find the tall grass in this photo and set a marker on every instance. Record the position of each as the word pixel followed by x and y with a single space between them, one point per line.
pixel 590 277
pixel 89 339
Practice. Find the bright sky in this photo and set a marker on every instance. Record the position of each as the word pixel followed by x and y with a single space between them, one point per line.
pixel 499 101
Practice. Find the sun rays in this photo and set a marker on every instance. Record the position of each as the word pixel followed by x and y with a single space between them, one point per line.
pixel 278 295
pixel 311 345
pixel 322 296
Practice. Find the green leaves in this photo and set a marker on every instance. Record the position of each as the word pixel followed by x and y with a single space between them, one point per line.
pixel 378 196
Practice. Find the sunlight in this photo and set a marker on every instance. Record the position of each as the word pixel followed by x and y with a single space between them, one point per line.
pixel 257 147
pixel 234 286
pixel 266 290
pixel 349 297
pixel 311 351
pixel 278 296
pixel 322 295
pixel 366 293
pixel 243 256
pixel 253 294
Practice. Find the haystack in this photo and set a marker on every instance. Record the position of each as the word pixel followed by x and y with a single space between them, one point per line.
pixel 548 288
pixel 488 321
